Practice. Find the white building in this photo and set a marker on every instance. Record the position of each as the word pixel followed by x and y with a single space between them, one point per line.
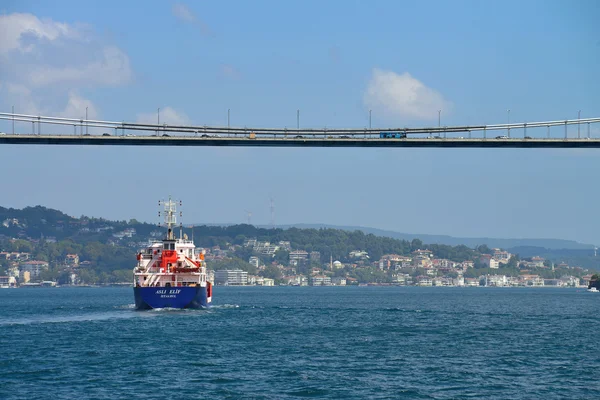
pixel 231 277
pixel 423 281
pixel 538 262
pixel 298 255
pixel 497 280
pixel 320 280
pixel 8 281
pixel 254 261
pixel 268 282
pixel 401 279
pixel 34 268
pixel 285 245
pixel 359 254
pixel 266 248
pixel 503 257
pixel 490 261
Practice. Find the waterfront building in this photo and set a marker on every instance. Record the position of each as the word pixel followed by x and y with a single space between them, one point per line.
pixel 320 280
pixel 34 268
pixel 338 281
pixel 7 282
pixel 231 277
pixel 497 280
pixel 471 282
pixel 399 278
pixel 424 281
pixel 532 280
pixel 268 282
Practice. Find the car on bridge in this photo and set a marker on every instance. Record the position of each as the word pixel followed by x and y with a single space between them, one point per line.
pixel 106 134
pixel 392 135
pixel 502 137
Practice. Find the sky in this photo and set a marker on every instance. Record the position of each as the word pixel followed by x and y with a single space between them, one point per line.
pixel 334 61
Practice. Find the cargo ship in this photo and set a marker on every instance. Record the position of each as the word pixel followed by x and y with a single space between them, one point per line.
pixel 170 273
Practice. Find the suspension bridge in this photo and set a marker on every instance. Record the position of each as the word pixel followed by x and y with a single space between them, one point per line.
pixel 49 130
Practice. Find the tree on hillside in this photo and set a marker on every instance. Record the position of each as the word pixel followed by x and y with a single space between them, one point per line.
pixel 272 272
pixel 416 244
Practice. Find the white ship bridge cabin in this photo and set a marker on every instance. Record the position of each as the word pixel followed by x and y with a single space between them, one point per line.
pixel 171 262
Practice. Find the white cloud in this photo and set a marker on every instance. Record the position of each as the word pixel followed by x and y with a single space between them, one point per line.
pixel 76 106
pixel 111 69
pixel 17 30
pixel 403 96
pixel 182 12
pixel 167 116
pixel 45 64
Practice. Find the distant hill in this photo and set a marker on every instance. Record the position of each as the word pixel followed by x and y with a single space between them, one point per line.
pixel 455 241
pixel 45 220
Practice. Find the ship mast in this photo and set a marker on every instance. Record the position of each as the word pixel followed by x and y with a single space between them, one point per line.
pixel 170 215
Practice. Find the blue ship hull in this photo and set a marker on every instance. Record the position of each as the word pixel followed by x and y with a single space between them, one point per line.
pixel 147 298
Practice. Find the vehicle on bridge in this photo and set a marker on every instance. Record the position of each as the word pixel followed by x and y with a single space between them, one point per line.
pixel 392 135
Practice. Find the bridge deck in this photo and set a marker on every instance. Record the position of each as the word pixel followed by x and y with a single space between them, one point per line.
pixel 296 142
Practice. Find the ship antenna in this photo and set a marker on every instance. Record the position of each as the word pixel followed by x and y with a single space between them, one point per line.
pixel 170 216
pixel 180 223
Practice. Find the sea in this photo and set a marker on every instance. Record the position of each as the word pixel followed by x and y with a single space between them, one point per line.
pixel 302 342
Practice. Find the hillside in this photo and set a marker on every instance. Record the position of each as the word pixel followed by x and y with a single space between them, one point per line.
pixel 107 248
pixel 555 244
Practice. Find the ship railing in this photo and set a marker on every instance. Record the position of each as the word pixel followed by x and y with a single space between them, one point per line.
pixel 152 280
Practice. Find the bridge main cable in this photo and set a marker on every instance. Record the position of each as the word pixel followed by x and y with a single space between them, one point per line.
pixel 285 131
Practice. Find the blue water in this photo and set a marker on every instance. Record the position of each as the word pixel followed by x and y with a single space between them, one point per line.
pixel 290 342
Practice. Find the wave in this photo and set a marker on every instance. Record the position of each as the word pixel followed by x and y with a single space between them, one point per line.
pixel 68 318
pixel 222 306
